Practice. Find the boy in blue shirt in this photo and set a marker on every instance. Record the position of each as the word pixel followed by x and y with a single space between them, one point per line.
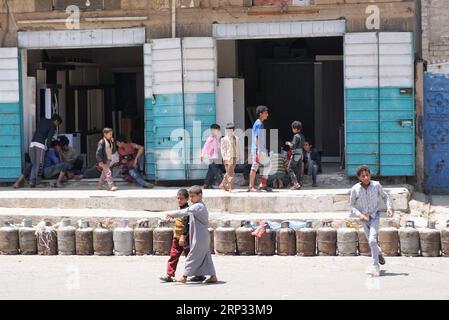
pixel 53 166
pixel 258 150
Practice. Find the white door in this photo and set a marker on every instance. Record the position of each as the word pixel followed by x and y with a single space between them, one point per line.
pixel 10 115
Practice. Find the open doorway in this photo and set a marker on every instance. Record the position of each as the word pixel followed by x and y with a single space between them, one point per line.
pixel 90 89
pixel 298 79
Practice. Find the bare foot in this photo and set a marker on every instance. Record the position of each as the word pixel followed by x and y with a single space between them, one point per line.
pixel 182 280
pixel 211 279
pixel 16 185
pixel 113 188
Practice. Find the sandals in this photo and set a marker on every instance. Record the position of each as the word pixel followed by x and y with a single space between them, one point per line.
pixel 198 279
pixel 167 279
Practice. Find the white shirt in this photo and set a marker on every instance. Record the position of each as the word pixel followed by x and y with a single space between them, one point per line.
pixel 366 201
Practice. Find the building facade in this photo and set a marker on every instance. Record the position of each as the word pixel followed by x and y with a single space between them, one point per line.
pixel 345 68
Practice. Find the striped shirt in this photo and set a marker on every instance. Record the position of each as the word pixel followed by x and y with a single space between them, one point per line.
pixel 367 201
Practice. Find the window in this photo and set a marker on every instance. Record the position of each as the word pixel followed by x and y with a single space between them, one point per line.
pixel 87 4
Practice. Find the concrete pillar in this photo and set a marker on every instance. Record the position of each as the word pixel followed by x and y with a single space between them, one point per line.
pixel 419 146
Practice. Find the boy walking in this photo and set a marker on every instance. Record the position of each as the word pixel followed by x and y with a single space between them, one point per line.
pixel 41 138
pixel 106 156
pixel 258 150
pixel 296 146
pixel 199 260
pixel 210 152
pixel 230 154
pixel 364 201
pixel 180 243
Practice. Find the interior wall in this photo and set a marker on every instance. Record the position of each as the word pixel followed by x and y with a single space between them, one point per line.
pixel 109 61
pixel 282 74
pixel 227 58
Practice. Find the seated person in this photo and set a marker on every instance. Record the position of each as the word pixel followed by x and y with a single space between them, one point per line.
pixel 244 168
pixel 278 176
pixel 312 161
pixel 68 155
pixel 53 167
pixel 131 154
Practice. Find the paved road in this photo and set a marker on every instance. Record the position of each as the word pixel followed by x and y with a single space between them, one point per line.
pixel 63 277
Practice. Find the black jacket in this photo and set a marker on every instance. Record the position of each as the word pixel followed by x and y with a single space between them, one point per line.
pixel 44 132
pixel 101 155
pixel 315 156
pixel 185 231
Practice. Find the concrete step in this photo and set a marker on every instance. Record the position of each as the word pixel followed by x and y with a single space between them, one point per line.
pixel 53 215
pixel 163 199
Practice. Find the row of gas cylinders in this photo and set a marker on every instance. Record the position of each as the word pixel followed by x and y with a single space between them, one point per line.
pixel 64 239
pixel 328 241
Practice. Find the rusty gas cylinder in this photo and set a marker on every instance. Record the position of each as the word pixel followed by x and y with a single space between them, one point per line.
pixel 266 244
pixel 162 239
pixel 430 241
pixel 225 239
pixel 409 240
pixel 286 240
pixel 123 239
pixel 66 238
pixel 347 239
pixel 143 238
pixel 327 240
pixel 47 239
pixel 364 248
pixel 84 239
pixel 306 240
pixel 9 239
pixel 211 239
pixel 445 240
pixel 27 238
pixel 103 241
pixel 389 241
pixel 246 245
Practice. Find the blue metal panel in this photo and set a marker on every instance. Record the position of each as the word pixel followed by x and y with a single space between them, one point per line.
pixel 436 133
pixel 169 138
pixel 200 111
pixel 149 139
pixel 10 141
pixel 362 129
pixel 397 131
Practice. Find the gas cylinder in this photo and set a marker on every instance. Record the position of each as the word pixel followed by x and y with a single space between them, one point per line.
pixel 162 239
pixel 327 240
pixel 430 242
pixel 143 238
pixel 306 240
pixel 9 239
pixel 47 239
pixel 409 240
pixel 364 248
pixel 84 239
pixel 266 244
pixel 123 239
pixel 246 245
pixel 347 239
pixel 212 242
pixel 389 241
pixel 286 240
pixel 225 239
pixel 103 241
pixel 66 238
pixel 445 240
pixel 27 238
